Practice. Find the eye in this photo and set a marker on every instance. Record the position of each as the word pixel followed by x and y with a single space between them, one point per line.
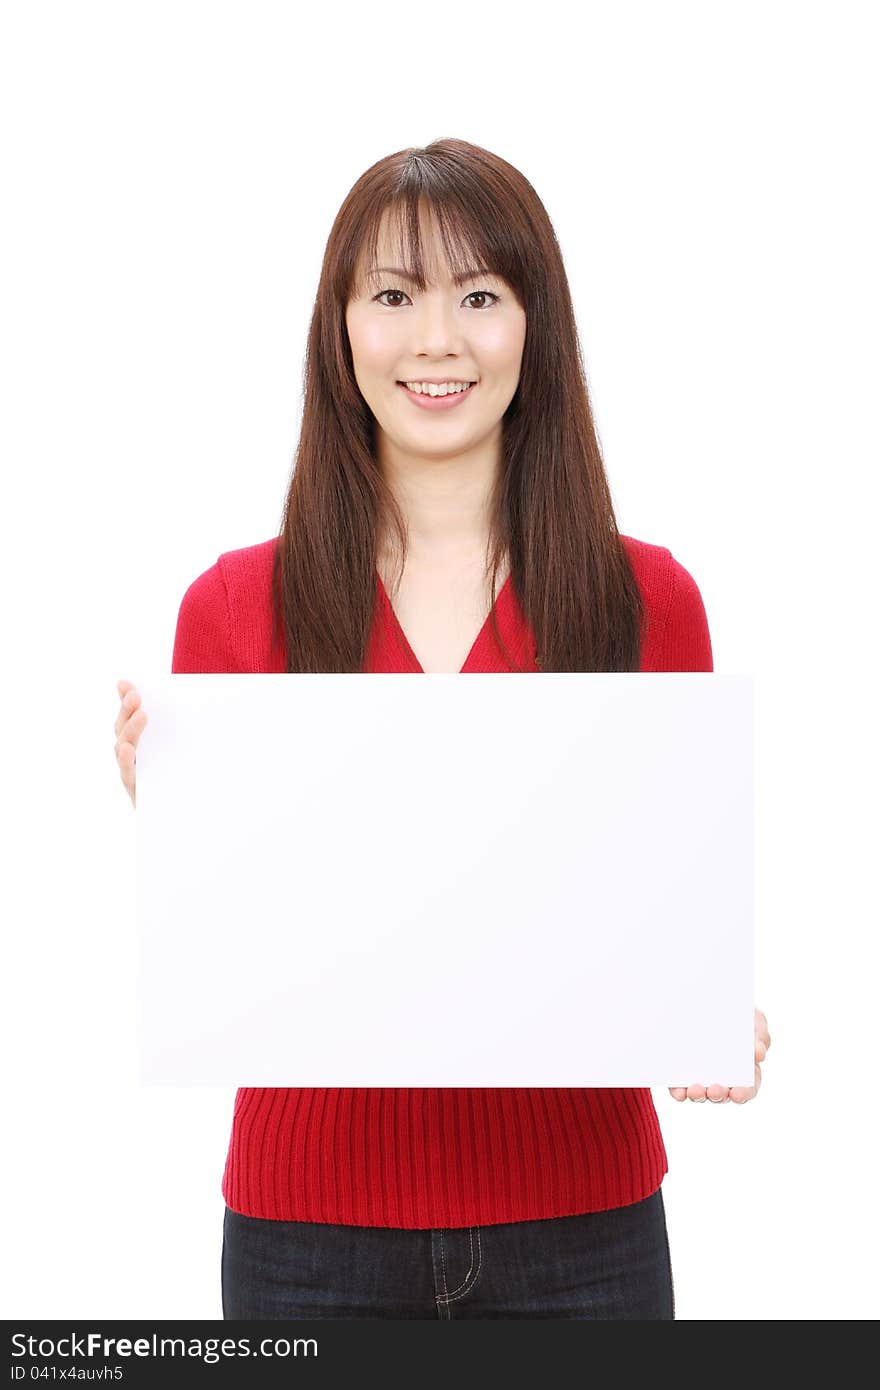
pixel 378 297
pixel 474 294
pixel 482 294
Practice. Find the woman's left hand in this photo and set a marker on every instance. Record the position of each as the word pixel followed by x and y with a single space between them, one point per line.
pixel 738 1094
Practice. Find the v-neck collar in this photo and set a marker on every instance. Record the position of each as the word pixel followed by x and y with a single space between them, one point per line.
pixel 478 643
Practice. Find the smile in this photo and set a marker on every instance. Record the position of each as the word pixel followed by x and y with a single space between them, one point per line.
pixel 428 402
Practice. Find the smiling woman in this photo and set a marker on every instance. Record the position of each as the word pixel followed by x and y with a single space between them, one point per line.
pixel 446 428
pixel 441 267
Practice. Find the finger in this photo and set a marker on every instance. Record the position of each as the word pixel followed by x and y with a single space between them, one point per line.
pixel 127 705
pixel 133 728
pixel 126 759
pixel 740 1094
pixel 678 1092
pixel 696 1093
pixel 762 1030
pixel 129 702
pixel 126 748
pixel 718 1094
pixel 760 1049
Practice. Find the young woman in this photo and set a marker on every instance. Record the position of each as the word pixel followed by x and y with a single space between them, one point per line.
pixel 448 511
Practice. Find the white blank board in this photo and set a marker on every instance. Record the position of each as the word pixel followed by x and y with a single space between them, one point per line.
pixel 405 880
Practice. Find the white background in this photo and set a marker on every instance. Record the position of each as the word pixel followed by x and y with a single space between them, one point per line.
pixel 171 173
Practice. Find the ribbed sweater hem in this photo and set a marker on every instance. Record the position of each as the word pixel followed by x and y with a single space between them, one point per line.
pixel 578 1151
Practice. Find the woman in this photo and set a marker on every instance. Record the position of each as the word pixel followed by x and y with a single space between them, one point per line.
pixel 448 511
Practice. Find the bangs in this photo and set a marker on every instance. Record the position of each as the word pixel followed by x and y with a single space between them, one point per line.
pixel 471 248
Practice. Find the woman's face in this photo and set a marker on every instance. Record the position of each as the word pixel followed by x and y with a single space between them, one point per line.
pixel 470 332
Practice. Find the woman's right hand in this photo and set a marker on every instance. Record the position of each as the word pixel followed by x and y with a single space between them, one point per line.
pixel 129 726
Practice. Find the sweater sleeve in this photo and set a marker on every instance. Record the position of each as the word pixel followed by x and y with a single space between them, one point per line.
pixel 203 640
pixel 685 644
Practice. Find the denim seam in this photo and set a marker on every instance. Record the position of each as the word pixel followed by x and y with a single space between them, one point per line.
pixel 668 1255
pixel 222 1263
pixel 462 1290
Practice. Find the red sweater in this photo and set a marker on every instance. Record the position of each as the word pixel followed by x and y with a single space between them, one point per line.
pixel 432 1157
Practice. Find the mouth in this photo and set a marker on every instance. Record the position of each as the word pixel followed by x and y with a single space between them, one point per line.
pixel 428 402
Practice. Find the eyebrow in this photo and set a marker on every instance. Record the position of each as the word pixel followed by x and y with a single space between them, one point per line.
pixel 405 275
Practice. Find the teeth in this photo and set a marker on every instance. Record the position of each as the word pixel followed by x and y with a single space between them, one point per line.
pixel 447 388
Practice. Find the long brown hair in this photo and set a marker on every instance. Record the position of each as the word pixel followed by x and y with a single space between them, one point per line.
pixel 551 513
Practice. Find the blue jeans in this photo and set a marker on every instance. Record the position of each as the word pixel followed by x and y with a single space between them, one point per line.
pixel 599 1265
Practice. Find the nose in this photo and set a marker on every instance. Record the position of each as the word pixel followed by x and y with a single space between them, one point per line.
pixel 437 329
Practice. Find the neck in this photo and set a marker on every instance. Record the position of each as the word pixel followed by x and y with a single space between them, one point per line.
pixel 445 499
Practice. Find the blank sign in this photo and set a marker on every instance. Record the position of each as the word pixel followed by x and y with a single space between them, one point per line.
pixel 491 880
